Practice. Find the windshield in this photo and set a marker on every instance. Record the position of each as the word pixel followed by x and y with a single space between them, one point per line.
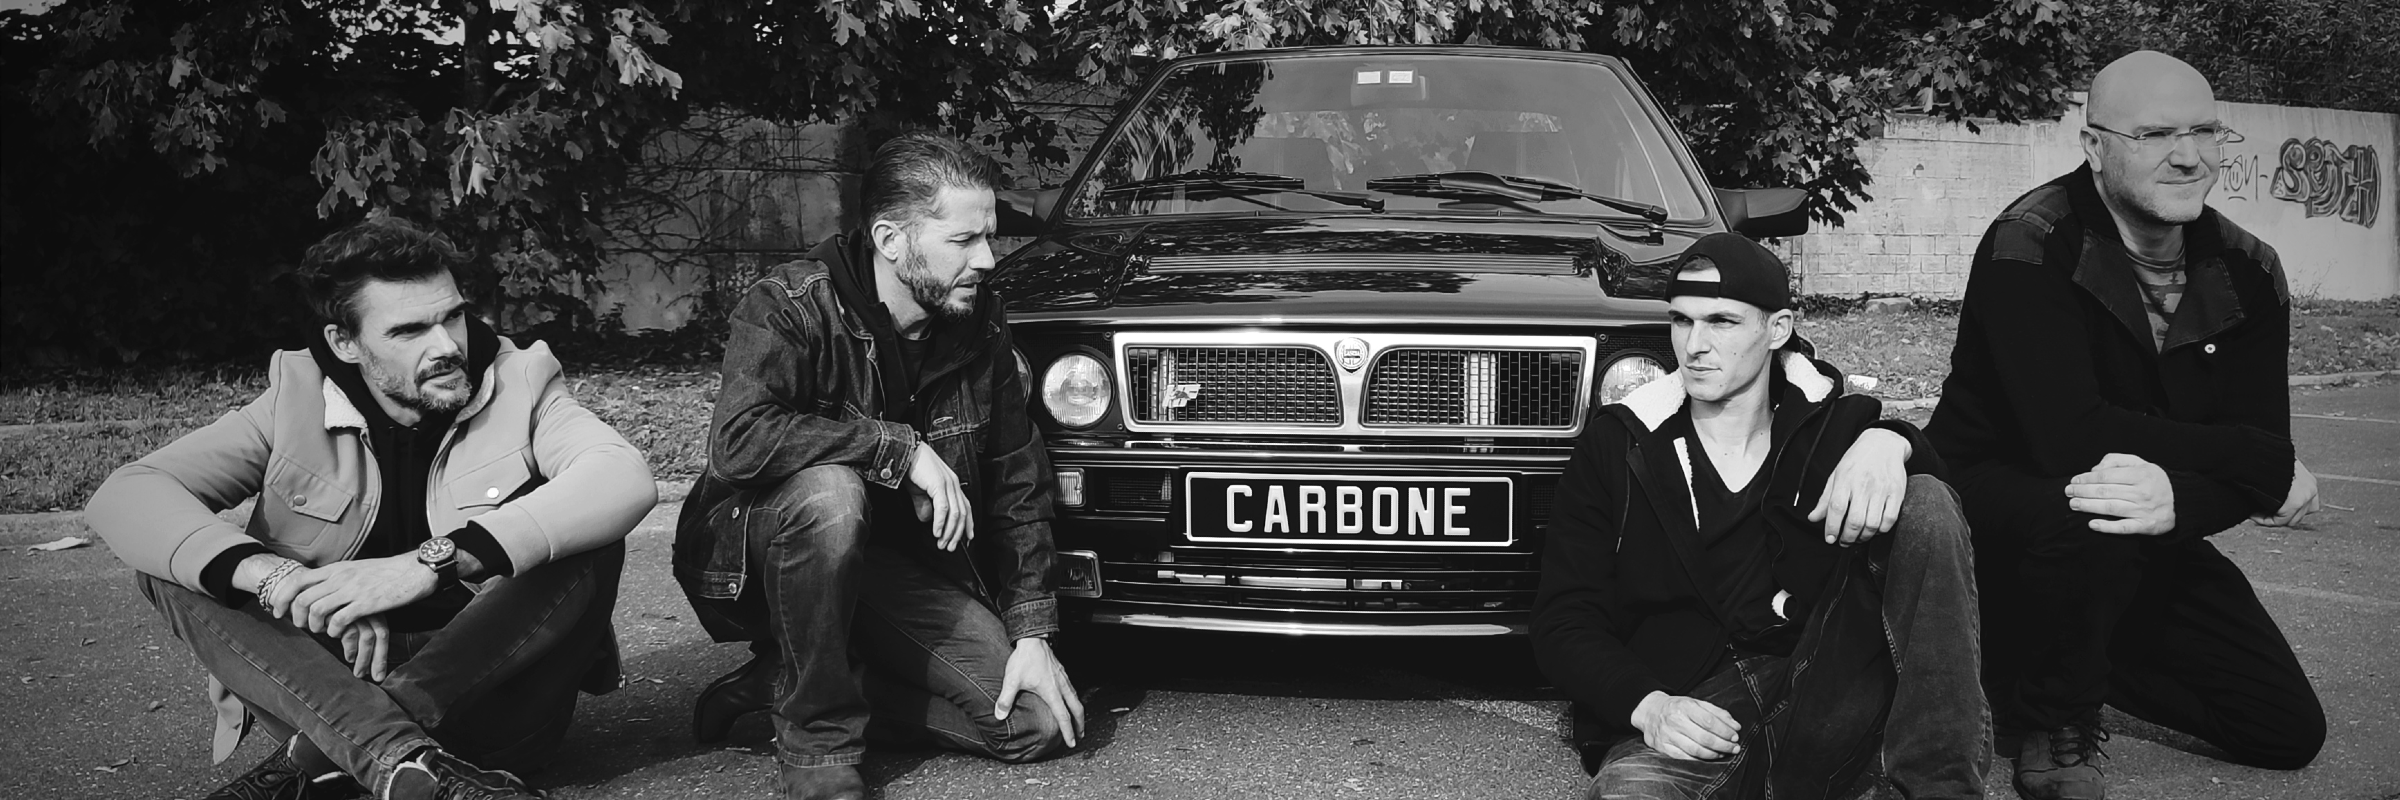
pixel 1335 123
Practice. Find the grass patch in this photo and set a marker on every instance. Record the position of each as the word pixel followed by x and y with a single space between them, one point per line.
pixel 663 410
pixel 2330 336
pixel 90 395
pixel 1908 352
pixel 53 470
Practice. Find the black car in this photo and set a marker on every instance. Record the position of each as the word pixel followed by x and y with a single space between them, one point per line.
pixel 1312 330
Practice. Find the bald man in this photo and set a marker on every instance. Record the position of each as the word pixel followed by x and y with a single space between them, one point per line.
pixel 2117 395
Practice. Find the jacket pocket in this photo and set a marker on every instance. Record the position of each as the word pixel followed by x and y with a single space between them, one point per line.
pixel 297 507
pixel 499 481
pixel 729 553
pixel 954 427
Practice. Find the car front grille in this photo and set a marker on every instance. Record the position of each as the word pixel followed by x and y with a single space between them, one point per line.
pixel 1267 385
pixel 1475 388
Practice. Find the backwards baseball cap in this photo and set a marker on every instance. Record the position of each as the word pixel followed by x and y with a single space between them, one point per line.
pixel 1746 271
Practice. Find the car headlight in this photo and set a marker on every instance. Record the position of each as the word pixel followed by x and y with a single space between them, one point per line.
pixel 1075 390
pixel 1627 374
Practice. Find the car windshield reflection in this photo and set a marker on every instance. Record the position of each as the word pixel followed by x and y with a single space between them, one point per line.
pixel 1329 126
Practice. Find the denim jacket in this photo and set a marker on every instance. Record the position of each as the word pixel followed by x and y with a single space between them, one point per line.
pixel 803 386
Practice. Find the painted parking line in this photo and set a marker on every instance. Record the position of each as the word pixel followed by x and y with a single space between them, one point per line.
pixel 2345 598
pixel 2354 478
pixel 1532 716
pixel 2339 418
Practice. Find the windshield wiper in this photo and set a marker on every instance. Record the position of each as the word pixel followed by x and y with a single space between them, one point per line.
pixel 1243 183
pixel 1468 184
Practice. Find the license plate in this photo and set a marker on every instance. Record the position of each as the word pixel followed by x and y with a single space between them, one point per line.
pixel 1348 509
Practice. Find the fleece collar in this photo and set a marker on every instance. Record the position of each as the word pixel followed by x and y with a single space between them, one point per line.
pixel 1659 400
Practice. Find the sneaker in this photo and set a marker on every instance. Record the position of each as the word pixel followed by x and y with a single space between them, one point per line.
pixel 279 778
pixel 437 775
pixel 2056 764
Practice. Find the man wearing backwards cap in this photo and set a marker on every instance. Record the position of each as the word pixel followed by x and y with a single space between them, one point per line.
pixel 1731 545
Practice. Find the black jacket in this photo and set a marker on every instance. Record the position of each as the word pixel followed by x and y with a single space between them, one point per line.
pixel 2055 366
pixel 1621 611
pixel 805 385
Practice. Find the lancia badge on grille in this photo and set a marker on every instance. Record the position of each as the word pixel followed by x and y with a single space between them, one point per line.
pixel 1352 352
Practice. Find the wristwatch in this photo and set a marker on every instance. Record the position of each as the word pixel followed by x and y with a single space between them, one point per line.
pixel 440 555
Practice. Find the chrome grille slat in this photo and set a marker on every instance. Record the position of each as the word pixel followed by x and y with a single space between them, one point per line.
pixel 1387 383
pixel 1274 385
pixel 1477 388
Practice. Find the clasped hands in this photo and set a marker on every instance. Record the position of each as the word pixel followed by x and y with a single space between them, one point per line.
pixel 2134 497
pixel 346 600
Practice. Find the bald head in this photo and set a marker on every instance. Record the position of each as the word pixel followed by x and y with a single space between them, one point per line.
pixel 2148 87
pixel 2152 185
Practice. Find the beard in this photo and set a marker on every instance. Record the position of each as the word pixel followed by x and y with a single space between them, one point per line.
pixel 2162 203
pixel 932 293
pixel 412 394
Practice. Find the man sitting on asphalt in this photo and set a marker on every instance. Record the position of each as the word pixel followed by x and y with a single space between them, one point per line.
pixel 1718 582
pixel 2116 395
pixel 433 553
pixel 875 520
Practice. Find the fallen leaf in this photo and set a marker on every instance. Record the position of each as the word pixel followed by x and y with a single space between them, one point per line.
pixel 1036 782
pixel 157 704
pixel 113 766
pixel 61 543
pixel 87 641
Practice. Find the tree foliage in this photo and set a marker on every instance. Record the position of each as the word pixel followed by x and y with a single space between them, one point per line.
pixel 514 124
pixel 2325 53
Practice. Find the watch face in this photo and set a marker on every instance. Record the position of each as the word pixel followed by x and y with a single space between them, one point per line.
pixel 436 550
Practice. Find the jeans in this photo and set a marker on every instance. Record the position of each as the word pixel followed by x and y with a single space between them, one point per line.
pixel 1887 672
pixel 2169 631
pixel 872 639
pixel 495 686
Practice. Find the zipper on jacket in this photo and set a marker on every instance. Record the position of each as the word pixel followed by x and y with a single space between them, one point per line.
pixel 374 505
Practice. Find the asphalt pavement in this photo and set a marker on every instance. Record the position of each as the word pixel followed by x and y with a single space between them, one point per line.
pixel 97 699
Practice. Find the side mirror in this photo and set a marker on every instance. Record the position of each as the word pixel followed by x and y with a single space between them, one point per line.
pixel 1761 213
pixel 1026 212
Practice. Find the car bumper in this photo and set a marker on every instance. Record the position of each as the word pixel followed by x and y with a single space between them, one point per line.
pixel 1128 556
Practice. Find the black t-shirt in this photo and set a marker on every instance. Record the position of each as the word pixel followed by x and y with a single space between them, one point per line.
pixel 1739 548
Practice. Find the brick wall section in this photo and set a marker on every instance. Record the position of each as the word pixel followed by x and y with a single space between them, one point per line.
pixel 1937 186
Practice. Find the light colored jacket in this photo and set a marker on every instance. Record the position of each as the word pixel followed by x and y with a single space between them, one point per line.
pixel 545 476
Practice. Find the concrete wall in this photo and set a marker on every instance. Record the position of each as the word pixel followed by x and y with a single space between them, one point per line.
pixel 2317 184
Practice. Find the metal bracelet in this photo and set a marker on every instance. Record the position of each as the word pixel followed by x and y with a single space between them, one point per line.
pixel 266 585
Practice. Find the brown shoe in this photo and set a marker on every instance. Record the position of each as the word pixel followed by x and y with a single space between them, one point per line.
pixel 2056 764
pixel 819 783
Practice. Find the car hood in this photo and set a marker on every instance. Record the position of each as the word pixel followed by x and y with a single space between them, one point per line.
pixel 1348 269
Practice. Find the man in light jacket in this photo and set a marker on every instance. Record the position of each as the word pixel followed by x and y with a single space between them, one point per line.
pixel 428 572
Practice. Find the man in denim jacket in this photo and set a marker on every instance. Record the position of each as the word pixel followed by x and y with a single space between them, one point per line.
pixel 875 520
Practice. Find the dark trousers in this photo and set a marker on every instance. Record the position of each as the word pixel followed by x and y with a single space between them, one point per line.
pixel 496 685
pixel 869 632
pixel 2168 631
pixel 1885 673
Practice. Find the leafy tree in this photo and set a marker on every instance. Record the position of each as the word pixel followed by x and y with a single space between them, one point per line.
pixel 2326 53
pixel 1770 92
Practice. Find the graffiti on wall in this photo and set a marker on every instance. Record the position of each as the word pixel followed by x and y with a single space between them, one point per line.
pixel 2328 180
